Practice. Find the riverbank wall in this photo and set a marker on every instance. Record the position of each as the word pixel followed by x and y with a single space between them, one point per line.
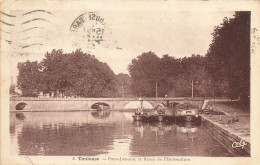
pixel 234 143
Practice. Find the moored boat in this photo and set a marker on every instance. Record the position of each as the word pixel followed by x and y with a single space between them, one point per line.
pixel 139 114
pixel 161 112
pixel 160 117
pixel 188 118
pixel 188 115
pixel 138 117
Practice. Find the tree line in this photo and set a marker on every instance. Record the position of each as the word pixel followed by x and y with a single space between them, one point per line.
pixel 223 72
pixel 75 74
pixel 173 77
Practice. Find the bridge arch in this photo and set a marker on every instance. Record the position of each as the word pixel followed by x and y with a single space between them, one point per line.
pixel 20 106
pixel 100 106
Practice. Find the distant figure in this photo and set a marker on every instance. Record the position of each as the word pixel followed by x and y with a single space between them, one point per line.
pixel 140 110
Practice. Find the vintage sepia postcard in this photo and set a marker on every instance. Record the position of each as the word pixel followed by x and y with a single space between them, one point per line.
pixel 129 82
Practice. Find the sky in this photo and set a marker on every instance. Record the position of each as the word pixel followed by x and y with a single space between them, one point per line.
pixel 127 33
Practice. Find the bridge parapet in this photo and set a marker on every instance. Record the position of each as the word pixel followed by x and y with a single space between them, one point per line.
pixel 75 104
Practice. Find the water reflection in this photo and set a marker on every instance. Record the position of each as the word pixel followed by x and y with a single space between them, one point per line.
pixel 163 127
pixel 178 139
pixel 19 116
pixel 187 127
pixel 106 133
pixel 100 114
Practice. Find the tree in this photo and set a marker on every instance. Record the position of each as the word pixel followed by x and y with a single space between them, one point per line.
pixel 76 74
pixel 169 69
pixel 124 84
pixel 228 57
pixel 195 70
pixel 28 78
pixel 54 66
pixel 144 72
pixel 173 76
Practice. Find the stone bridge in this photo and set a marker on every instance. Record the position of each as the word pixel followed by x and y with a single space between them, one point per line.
pixel 76 104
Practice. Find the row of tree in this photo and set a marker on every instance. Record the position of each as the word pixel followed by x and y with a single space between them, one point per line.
pixel 75 74
pixel 223 72
pixel 172 77
pixel 228 57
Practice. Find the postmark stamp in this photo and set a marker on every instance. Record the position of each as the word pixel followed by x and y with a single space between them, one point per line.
pixel 87 30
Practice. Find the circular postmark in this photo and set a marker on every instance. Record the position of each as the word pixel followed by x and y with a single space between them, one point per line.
pixel 87 31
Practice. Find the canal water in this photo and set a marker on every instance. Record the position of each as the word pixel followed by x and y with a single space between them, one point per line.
pixel 92 133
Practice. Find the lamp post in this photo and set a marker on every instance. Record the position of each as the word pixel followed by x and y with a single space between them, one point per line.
pixel 191 88
pixel 122 90
pixel 156 89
